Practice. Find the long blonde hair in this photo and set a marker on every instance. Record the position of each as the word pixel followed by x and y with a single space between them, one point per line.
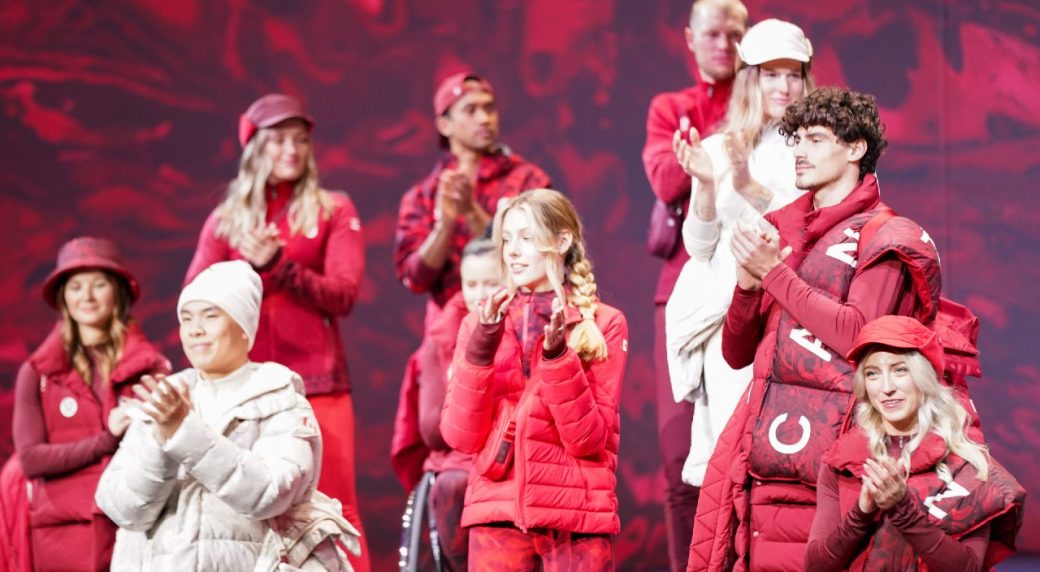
pixel 746 117
pixel 939 413
pixel 108 353
pixel 552 214
pixel 244 208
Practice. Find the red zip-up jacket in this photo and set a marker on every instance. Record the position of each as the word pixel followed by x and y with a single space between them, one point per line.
pixel 312 282
pixel 704 105
pixel 567 426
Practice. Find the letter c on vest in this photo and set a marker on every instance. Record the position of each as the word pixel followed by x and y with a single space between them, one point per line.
pixel 785 448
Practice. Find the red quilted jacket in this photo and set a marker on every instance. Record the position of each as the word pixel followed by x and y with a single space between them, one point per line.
pixel 567 429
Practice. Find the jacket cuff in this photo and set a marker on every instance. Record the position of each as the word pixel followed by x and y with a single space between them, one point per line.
pixel 190 442
pixel 780 273
pixel 110 442
pixel 556 351
pixel 418 275
pixel 484 343
pixel 559 384
pixel 905 513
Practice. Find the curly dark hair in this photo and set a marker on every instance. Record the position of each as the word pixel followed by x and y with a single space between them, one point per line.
pixel 850 115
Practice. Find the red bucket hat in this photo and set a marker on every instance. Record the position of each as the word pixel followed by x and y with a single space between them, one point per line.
pixel 87 253
pixel 268 111
pixel 454 87
pixel 899 332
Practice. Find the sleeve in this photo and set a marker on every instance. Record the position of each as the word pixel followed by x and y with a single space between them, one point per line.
pixel 834 540
pixel 940 551
pixel 135 486
pixel 469 403
pixel 701 237
pixel 40 458
pixel 874 292
pixel 667 179
pixel 334 290
pixel 209 250
pixel 742 328
pixel 431 394
pixel 262 481
pixel 585 406
pixel 414 223
pixel 536 179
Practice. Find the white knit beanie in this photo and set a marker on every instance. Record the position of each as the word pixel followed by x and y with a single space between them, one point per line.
pixel 232 286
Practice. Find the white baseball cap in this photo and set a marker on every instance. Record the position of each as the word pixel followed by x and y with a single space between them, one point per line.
pixel 774 39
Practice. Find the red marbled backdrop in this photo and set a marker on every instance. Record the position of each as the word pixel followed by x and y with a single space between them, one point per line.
pixel 118 119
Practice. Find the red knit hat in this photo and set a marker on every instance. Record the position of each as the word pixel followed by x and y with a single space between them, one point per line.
pixel 454 87
pixel 899 332
pixel 87 253
pixel 268 111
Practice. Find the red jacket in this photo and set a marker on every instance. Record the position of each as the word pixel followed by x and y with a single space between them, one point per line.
pixel 567 428
pixel 966 525
pixel 757 501
pixel 313 281
pixel 61 432
pixel 705 106
pixel 500 175
pixel 434 362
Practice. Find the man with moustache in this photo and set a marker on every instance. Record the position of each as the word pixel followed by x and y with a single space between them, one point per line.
pixel 714 28
pixel 801 298
pixel 457 200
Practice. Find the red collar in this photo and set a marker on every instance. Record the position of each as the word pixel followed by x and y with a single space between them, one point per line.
pixel 800 225
pixel 852 449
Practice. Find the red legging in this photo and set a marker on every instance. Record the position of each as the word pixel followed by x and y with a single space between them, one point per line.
pixel 504 547
pixel 335 414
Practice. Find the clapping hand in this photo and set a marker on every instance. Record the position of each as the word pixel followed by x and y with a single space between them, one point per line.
pixel 554 330
pixel 756 251
pixel 491 311
pixel 692 157
pixel 260 245
pixel 884 485
pixel 164 402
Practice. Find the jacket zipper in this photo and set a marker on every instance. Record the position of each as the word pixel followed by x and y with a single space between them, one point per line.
pixel 519 463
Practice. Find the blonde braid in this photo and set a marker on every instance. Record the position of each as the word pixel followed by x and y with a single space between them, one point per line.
pixel 586 338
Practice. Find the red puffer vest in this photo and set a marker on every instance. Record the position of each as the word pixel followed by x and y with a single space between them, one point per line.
pixel 800 399
pixel 72 411
pixel 957 508
pixel 562 475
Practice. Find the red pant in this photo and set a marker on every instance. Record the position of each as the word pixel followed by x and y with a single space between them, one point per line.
pixel 335 415
pixel 503 547
pixel 447 497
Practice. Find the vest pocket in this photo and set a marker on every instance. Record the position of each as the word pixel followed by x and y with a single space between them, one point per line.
pixel 796 426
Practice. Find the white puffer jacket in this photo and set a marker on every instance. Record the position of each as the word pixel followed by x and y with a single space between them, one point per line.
pixel 201 500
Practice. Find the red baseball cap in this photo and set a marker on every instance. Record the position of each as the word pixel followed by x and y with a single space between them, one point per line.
pixel 268 111
pixel 87 253
pixel 899 332
pixel 454 87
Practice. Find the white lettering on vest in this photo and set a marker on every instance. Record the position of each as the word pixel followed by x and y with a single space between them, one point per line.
pixel 788 448
pixel 845 251
pixel 953 490
pixel 801 337
pixel 927 239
